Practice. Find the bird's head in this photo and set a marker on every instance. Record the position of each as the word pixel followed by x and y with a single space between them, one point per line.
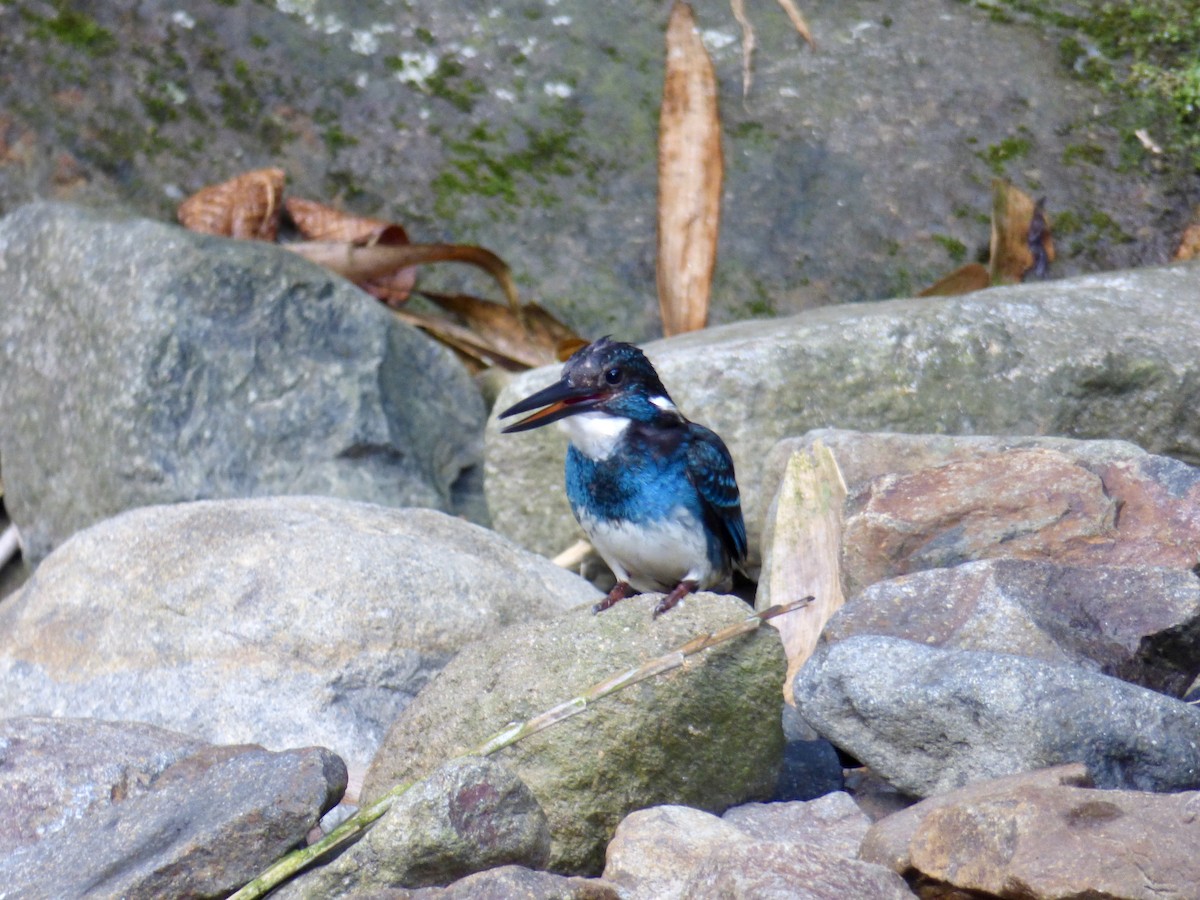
pixel 607 377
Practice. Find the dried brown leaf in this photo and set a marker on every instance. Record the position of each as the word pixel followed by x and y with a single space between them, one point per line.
pixel 528 341
pixel 1020 234
pixel 320 222
pixel 971 277
pixel 366 264
pixel 690 171
pixel 1189 243
pixel 798 22
pixel 247 206
pixel 748 43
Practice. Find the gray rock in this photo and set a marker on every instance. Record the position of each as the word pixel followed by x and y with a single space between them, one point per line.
pixel 145 364
pixel 706 734
pixel 675 852
pixel 1137 623
pixel 1115 364
pixel 205 826
pixel 532 130
pixel 54 772
pixel 286 621
pixel 931 720
pixel 832 823
pixel 518 883
pixel 789 872
pixel 470 815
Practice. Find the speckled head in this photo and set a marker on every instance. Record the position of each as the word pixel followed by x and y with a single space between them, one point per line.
pixel 605 376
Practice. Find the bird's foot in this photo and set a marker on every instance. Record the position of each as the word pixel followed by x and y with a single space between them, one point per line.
pixel 684 587
pixel 619 592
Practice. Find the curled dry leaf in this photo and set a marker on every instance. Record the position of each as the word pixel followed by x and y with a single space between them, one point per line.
pixel 319 222
pixel 690 171
pixel 246 207
pixel 1021 240
pixel 530 340
pixel 364 264
pixel 964 280
pixel 1189 243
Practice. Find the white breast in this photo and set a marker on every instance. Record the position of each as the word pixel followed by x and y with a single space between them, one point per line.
pixel 594 434
pixel 654 557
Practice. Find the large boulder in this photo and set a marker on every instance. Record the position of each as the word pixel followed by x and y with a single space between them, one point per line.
pixel 1104 356
pixel 145 364
pixel 1051 833
pixel 705 734
pixel 284 621
pixel 531 128
pixel 199 827
pixel 1137 623
pixel 930 720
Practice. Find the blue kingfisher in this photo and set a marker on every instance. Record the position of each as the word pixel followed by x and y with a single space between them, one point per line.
pixel 654 492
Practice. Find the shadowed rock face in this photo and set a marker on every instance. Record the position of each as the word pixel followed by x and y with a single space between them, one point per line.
pixel 856 172
pixel 148 365
pixel 1107 357
pixel 930 720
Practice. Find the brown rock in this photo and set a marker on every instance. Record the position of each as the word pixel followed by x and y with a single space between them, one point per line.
pixel 887 841
pixel 1023 503
pixel 1061 841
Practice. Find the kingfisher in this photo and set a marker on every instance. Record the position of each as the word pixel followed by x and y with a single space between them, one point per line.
pixel 654 492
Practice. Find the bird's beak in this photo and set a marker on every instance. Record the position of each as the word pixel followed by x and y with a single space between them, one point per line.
pixel 553 403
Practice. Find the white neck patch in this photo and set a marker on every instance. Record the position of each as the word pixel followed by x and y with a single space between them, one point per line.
pixel 664 404
pixel 594 434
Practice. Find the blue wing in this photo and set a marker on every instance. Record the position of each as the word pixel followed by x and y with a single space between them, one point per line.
pixel 710 470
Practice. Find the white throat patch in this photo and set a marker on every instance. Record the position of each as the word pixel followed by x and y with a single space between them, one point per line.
pixel 594 434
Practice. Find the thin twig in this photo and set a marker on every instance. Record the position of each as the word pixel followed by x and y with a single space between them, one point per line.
pixel 292 863
pixel 10 544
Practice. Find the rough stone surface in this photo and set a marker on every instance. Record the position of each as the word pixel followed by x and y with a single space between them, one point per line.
pixel 1027 504
pixel 887 841
pixel 532 130
pixel 1104 356
pixel 675 852
pixel 1137 623
pixel 1044 836
pixel 707 734
pixel 54 772
pixel 206 825
pixel 832 823
pixel 144 364
pixel 782 872
pixel 517 883
pixel 286 621
pixel 931 720
pixel 470 815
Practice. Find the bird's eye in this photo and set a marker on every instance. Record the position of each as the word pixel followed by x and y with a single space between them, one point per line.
pixel 613 375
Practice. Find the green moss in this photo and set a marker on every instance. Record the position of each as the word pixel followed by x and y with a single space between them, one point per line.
pixel 1143 51
pixel 448 83
pixel 999 155
pixel 956 248
pixel 74 28
pixel 507 167
pixel 1092 154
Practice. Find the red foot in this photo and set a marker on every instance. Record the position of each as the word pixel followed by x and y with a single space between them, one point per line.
pixel 619 592
pixel 684 587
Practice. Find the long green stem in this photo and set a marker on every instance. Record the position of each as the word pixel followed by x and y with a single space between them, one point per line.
pixel 294 862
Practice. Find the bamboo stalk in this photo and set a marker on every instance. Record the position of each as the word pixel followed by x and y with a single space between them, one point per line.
pixel 299 859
